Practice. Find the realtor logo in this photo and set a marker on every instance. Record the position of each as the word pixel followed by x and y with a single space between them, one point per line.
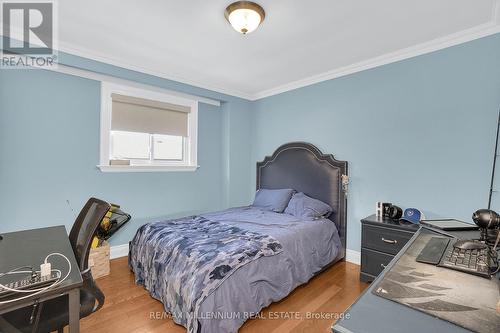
pixel 27 34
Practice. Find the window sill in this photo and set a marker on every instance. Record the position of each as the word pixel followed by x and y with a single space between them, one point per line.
pixel 147 168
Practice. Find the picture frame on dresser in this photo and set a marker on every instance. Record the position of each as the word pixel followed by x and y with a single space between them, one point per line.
pixel 381 239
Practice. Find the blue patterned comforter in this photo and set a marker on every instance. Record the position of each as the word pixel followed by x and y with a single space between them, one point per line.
pixel 181 262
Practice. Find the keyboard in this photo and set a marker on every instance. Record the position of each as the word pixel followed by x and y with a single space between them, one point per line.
pixel 28 283
pixel 440 251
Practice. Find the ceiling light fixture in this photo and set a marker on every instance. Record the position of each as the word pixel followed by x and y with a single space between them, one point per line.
pixel 244 16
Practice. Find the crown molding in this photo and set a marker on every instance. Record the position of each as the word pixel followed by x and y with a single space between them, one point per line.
pixel 460 37
pixel 495 15
pixel 490 28
pixel 68 70
pixel 92 55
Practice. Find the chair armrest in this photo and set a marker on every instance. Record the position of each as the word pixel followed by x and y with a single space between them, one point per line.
pixel 90 286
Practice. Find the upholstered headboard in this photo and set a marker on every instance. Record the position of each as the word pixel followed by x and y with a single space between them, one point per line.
pixel 304 168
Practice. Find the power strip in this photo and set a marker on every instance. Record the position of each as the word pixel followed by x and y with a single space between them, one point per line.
pixel 36 281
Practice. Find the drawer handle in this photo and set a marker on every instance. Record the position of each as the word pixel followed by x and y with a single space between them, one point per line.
pixel 383 266
pixel 389 241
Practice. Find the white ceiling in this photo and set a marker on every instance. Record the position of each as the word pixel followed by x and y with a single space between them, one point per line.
pixel 299 43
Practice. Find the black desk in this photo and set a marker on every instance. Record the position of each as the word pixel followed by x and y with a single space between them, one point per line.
pixel 30 247
pixel 374 314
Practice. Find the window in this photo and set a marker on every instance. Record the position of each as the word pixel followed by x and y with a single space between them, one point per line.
pixel 168 147
pixel 144 130
pixel 130 146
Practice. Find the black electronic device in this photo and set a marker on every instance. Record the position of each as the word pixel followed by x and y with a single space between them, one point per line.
pixel 392 211
pixel 433 251
pixel 449 225
pixel 34 281
pixel 472 257
pixel 486 219
pixel 467 256
pixel 488 222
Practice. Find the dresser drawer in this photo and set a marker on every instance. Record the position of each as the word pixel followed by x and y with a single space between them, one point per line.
pixel 384 239
pixel 373 262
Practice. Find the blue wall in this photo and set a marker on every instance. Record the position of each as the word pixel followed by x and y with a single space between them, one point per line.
pixel 49 143
pixel 433 117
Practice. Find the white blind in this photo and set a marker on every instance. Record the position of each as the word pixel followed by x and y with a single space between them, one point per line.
pixel 134 114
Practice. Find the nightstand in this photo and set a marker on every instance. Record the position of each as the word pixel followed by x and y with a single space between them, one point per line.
pixel 381 239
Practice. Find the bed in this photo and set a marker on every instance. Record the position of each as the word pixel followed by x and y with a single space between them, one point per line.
pixel 245 258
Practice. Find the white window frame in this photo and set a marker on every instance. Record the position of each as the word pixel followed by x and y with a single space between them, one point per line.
pixel 190 143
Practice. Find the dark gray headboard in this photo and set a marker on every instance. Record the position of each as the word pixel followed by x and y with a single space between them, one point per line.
pixel 304 168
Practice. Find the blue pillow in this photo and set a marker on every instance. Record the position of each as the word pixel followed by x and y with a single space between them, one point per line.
pixel 306 207
pixel 273 200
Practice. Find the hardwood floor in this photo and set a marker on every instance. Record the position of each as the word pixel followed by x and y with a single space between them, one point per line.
pixel 129 308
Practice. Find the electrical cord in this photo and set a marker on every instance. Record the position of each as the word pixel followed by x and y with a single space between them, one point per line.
pixel 33 292
pixel 16 269
pixel 28 290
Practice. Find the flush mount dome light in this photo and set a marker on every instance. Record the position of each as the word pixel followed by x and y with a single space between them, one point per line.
pixel 244 16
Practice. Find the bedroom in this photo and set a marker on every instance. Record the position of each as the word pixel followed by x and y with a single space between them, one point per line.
pixel 412 111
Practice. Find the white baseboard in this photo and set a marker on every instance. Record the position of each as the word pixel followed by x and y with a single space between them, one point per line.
pixel 118 251
pixel 353 256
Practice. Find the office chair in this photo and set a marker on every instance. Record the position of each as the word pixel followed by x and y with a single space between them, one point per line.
pixel 53 314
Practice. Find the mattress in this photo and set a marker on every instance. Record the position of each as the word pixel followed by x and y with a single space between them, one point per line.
pixel 308 246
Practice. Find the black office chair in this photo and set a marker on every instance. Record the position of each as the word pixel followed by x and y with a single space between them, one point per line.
pixel 53 314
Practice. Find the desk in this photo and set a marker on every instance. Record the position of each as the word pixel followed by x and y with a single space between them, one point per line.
pixel 30 247
pixel 374 314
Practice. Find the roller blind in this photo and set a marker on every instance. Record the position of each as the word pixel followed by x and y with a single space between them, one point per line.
pixel 134 114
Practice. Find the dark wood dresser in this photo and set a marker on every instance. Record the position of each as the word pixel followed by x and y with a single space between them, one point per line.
pixel 381 239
